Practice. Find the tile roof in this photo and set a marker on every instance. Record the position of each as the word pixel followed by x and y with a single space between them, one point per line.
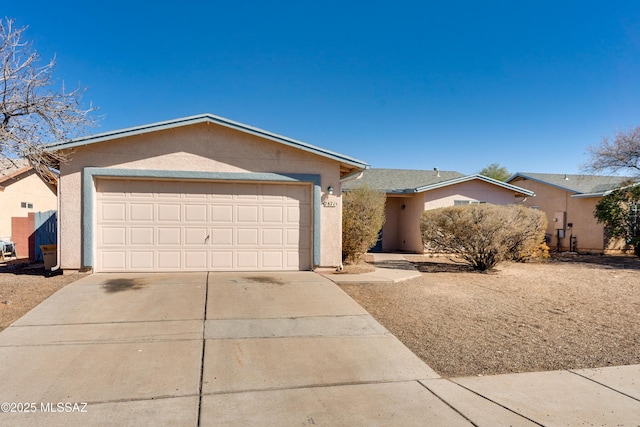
pixel 579 184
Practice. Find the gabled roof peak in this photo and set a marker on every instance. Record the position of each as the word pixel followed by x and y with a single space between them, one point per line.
pixel 206 118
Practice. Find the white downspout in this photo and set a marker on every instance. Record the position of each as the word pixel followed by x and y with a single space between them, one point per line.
pixel 57 266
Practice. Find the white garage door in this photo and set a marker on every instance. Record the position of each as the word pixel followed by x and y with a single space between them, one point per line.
pixel 147 225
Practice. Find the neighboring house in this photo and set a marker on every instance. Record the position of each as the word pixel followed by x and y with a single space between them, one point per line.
pixel 200 193
pixel 21 192
pixel 410 192
pixel 569 202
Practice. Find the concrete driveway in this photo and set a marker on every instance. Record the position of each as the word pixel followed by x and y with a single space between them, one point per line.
pixel 209 349
pixel 260 349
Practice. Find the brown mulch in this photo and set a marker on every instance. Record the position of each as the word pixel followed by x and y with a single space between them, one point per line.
pixel 570 312
pixel 23 286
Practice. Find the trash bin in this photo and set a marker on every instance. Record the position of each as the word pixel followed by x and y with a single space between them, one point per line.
pixel 50 254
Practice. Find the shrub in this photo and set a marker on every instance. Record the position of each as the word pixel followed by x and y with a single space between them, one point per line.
pixel 362 219
pixel 484 235
pixel 620 213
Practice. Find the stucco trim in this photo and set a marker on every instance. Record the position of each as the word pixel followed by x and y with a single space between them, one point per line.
pixel 89 174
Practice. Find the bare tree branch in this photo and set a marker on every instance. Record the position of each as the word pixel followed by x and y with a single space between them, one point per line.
pixel 32 113
pixel 621 154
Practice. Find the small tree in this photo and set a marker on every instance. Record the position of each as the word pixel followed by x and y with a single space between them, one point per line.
pixel 619 211
pixel 495 171
pixel 32 114
pixel 484 235
pixel 362 220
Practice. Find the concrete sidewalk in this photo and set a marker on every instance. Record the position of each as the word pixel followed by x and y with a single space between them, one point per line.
pixel 388 268
pixel 268 349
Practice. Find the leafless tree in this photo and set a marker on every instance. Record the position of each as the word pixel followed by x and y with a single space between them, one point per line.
pixel 33 113
pixel 620 154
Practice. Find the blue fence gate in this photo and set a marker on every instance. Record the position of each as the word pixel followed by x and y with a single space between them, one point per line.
pixel 46 231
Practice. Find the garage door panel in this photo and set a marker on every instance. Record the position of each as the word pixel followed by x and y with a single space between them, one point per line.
pixel 112 188
pixel 247 236
pixel 141 260
pixel 273 214
pixel 113 260
pixel 272 260
pixel 113 236
pixel 221 260
pixel 141 211
pixel 247 260
pixel 272 237
pixel 113 211
pixel 169 260
pixel 222 236
pixel 155 225
pixel 142 236
pixel 247 213
pixel 169 236
pixel 222 214
pixel 293 216
pixel 196 236
pixel 170 212
pixel 195 213
pixel 195 260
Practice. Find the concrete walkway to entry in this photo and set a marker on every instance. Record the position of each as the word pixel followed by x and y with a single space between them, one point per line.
pixel 260 349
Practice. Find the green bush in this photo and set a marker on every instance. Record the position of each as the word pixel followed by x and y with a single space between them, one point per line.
pixel 362 219
pixel 484 235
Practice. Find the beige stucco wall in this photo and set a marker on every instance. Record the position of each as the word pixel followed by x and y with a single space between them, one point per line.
pixel 474 190
pixel 29 188
pixel 579 211
pixel 203 147
pixel 402 229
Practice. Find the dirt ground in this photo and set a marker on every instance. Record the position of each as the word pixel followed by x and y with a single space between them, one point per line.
pixel 21 289
pixel 573 311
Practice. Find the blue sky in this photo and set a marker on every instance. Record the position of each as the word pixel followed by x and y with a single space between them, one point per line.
pixel 456 85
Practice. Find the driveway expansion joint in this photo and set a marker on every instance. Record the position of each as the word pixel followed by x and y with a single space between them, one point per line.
pixel 603 385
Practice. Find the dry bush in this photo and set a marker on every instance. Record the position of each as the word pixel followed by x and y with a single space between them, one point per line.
pixel 484 235
pixel 362 219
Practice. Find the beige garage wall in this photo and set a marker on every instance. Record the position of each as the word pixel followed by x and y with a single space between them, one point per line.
pixel 203 147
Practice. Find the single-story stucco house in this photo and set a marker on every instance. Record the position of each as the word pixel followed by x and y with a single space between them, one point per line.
pixel 411 192
pixel 199 193
pixel 569 202
pixel 22 191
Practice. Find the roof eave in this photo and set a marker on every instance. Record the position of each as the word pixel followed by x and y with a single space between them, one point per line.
pixel 353 163
pixel 588 195
pixel 519 175
pixel 472 177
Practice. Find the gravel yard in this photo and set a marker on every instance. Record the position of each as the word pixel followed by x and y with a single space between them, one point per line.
pixel 570 312
pixel 21 289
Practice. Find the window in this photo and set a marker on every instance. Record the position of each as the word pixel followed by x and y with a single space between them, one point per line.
pixel 26 205
pixel 467 202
